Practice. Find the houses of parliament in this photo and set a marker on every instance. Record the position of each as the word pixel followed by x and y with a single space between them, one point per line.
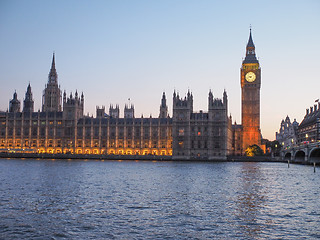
pixel 61 126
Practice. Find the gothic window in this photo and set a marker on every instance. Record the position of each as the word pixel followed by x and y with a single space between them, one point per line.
pixel 96 132
pixel 79 132
pixel 163 133
pixel 50 132
pixel 26 131
pixel 18 131
pixel 154 145
pixel 42 132
pixel 88 132
pixel 111 143
pixel 104 131
pixel 181 131
pixel 58 132
pixel 34 131
pixel 3 131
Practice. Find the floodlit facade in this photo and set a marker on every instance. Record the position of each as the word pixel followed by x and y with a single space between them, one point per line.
pixel 61 126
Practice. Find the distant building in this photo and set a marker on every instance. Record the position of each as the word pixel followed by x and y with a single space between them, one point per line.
pixel 287 135
pixel 309 128
pixel 201 134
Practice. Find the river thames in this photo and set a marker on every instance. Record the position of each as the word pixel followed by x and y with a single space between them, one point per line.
pixel 61 199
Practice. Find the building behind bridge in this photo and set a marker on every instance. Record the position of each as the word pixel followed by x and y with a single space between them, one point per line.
pixel 301 141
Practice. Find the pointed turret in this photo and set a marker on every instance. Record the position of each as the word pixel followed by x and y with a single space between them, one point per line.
pixel 28 103
pixel 163 107
pixel 210 99
pixel 250 42
pixel 14 104
pixel 163 100
pixel 53 65
pixel 225 101
pixel 64 96
pixel 250 51
pixel 53 76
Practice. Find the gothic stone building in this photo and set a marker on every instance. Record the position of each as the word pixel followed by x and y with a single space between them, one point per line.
pixel 64 129
pixel 61 127
pixel 201 134
pixel 287 135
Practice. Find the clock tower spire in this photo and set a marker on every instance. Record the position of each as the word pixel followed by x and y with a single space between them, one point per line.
pixel 250 96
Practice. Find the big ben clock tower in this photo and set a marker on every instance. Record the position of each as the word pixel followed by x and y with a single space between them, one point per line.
pixel 250 94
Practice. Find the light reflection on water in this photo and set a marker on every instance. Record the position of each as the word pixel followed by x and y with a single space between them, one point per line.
pixel 157 200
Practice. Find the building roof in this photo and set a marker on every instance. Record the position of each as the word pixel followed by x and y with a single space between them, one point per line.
pixel 310 119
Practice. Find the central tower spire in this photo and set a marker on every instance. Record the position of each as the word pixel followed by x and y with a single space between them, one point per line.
pixel 53 76
pixel 250 51
pixel 51 100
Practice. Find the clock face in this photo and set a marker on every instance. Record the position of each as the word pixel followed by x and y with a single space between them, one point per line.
pixel 250 77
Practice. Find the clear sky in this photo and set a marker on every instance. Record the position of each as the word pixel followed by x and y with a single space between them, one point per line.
pixel 115 50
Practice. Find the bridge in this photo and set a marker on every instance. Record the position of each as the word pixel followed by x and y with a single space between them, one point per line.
pixel 307 152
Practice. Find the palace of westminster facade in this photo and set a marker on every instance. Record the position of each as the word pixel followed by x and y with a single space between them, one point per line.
pixel 61 127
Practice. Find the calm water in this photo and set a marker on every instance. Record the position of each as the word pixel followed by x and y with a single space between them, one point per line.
pixel 157 200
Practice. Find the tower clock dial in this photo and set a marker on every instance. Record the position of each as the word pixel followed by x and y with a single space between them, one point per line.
pixel 250 76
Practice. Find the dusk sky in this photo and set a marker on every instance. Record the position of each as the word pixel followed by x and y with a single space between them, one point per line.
pixel 115 50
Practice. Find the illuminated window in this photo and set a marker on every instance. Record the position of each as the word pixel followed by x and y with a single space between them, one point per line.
pixel 181 132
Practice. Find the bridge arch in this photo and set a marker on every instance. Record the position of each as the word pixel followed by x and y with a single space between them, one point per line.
pixel 300 155
pixel 314 155
pixel 287 156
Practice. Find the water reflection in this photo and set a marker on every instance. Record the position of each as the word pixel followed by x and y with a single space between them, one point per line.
pixel 250 199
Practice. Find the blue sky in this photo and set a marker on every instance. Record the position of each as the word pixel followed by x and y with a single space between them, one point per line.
pixel 115 50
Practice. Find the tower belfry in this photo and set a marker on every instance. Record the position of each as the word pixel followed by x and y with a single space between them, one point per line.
pixel 51 100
